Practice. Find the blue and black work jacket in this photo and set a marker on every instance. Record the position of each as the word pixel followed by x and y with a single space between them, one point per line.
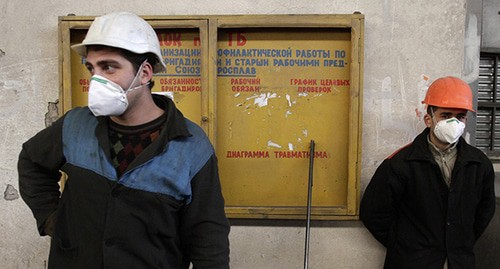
pixel 408 207
pixel 165 211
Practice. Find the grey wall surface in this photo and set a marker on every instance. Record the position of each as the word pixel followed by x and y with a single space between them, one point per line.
pixel 490 40
pixel 408 44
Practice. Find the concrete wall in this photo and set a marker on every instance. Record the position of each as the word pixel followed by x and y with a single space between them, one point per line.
pixel 407 44
pixel 490 40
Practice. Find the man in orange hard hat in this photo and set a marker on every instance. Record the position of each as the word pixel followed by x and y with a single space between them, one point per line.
pixel 430 201
pixel 143 186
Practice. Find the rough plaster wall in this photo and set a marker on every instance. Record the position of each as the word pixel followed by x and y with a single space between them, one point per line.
pixel 23 88
pixel 491 38
pixel 407 45
pixel 343 245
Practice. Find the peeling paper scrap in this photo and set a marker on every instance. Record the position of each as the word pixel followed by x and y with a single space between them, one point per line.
pixel 304 132
pixel 288 99
pixel 262 99
pixel 272 144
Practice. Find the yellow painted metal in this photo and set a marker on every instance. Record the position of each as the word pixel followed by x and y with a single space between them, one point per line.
pixel 268 115
pixel 263 130
pixel 355 120
pixel 183 79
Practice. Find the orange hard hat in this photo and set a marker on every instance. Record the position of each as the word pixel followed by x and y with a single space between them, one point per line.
pixel 449 92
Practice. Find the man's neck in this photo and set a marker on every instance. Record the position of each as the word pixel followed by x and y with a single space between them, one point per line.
pixel 440 145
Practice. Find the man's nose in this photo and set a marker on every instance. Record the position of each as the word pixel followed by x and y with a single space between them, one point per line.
pixel 96 71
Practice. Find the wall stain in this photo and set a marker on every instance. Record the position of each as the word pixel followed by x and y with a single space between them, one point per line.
pixel 53 113
pixel 10 193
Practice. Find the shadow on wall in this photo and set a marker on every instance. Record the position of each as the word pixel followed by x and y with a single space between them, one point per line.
pixel 486 255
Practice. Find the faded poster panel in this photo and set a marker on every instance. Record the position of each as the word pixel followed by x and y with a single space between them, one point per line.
pixel 276 91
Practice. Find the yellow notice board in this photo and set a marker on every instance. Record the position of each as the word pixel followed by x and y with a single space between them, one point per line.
pixel 262 87
pixel 181 51
pixel 278 89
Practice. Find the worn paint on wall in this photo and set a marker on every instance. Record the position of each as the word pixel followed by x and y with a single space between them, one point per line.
pixel 471 52
pixel 490 38
pixel 53 113
pixel 24 88
pixel 10 193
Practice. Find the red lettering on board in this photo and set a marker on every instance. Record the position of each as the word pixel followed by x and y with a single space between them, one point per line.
pixel 334 82
pixel 170 39
pixel 299 154
pixel 300 82
pixel 247 154
pixel 241 40
pixel 245 84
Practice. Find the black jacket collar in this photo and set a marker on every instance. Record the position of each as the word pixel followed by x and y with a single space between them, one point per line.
pixel 420 150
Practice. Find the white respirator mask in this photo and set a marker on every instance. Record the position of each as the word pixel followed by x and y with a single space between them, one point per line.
pixel 449 130
pixel 107 98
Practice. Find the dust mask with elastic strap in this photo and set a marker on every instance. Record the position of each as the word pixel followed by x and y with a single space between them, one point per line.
pixel 448 130
pixel 107 98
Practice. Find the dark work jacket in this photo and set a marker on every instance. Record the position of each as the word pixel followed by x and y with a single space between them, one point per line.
pixel 165 211
pixel 408 207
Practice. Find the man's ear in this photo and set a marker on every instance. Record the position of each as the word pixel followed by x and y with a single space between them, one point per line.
pixel 428 120
pixel 147 72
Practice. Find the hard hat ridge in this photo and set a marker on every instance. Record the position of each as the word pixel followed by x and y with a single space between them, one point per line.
pixel 449 92
pixel 123 30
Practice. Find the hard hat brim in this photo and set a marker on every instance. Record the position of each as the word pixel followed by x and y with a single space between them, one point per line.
pixel 81 49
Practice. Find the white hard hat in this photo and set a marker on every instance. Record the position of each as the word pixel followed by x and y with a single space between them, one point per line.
pixel 126 31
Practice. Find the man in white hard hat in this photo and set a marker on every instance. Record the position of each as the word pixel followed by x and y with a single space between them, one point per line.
pixel 143 187
pixel 431 200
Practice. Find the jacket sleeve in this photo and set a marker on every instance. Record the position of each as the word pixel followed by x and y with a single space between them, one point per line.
pixel 486 206
pixel 204 226
pixel 38 167
pixel 377 210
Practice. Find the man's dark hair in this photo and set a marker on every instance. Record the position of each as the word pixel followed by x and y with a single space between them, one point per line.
pixel 134 58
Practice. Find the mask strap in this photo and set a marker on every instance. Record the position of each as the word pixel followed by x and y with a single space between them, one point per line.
pixel 433 116
pixel 135 78
pixel 138 86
